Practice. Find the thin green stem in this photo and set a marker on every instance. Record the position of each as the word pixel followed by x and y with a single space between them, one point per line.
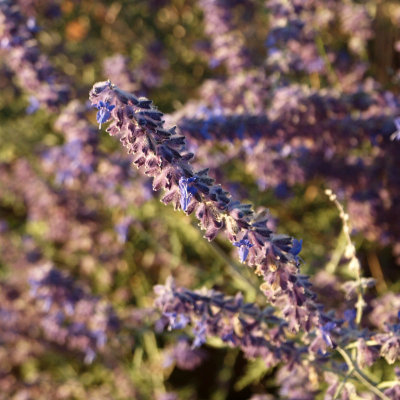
pixel 360 376
pixel 368 343
pixel 354 264
pixel 235 269
pixel 341 386
pixel 387 384
pixel 321 50
pixel 336 256
pixel 363 379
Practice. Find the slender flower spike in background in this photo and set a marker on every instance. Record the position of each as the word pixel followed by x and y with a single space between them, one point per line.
pixel 104 113
pixel 244 247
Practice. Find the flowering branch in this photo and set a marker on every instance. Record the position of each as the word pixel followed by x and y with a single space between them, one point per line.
pixel 162 154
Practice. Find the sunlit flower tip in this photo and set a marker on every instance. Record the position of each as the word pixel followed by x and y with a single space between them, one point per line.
pixel 244 246
pixel 104 113
pixel 187 190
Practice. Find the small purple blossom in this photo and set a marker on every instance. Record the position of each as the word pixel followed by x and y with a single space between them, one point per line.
pixel 184 356
pixel 244 246
pixel 199 332
pixel 323 339
pixel 90 355
pixel 177 321
pixel 122 229
pixel 186 191
pixel 34 105
pixel 104 113
pixel 297 245
pixel 396 134
pixel 326 329
pixel 350 317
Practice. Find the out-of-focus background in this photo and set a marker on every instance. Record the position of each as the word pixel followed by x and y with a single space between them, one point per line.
pixel 281 100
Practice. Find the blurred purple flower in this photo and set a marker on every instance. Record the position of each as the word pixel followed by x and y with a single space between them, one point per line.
pixel 199 332
pixel 350 316
pixel 396 134
pixel 34 105
pixel 184 356
pixel 122 229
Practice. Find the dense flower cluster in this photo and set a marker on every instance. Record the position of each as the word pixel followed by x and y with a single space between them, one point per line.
pixel 34 71
pixel 161 153
pixel 305 131
pixel 71 317
pixel 259 333
pixel 227 41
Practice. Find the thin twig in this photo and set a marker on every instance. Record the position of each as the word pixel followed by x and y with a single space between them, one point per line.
pixel 360 375
pixel 341 386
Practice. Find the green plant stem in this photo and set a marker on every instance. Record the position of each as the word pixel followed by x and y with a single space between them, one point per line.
pixel 387 384
pixel 332 74
pixel 150 346
pixel 368 343
pixel 354 264
pixel 235 270
pixel 360 376
pixel 336 256
pixel 341 386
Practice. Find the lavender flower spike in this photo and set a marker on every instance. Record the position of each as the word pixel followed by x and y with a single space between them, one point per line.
pixel 162 154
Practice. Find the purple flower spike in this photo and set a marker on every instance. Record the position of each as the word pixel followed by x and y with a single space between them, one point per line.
pixel 186 191
pixel 244 246
pixel 104 113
